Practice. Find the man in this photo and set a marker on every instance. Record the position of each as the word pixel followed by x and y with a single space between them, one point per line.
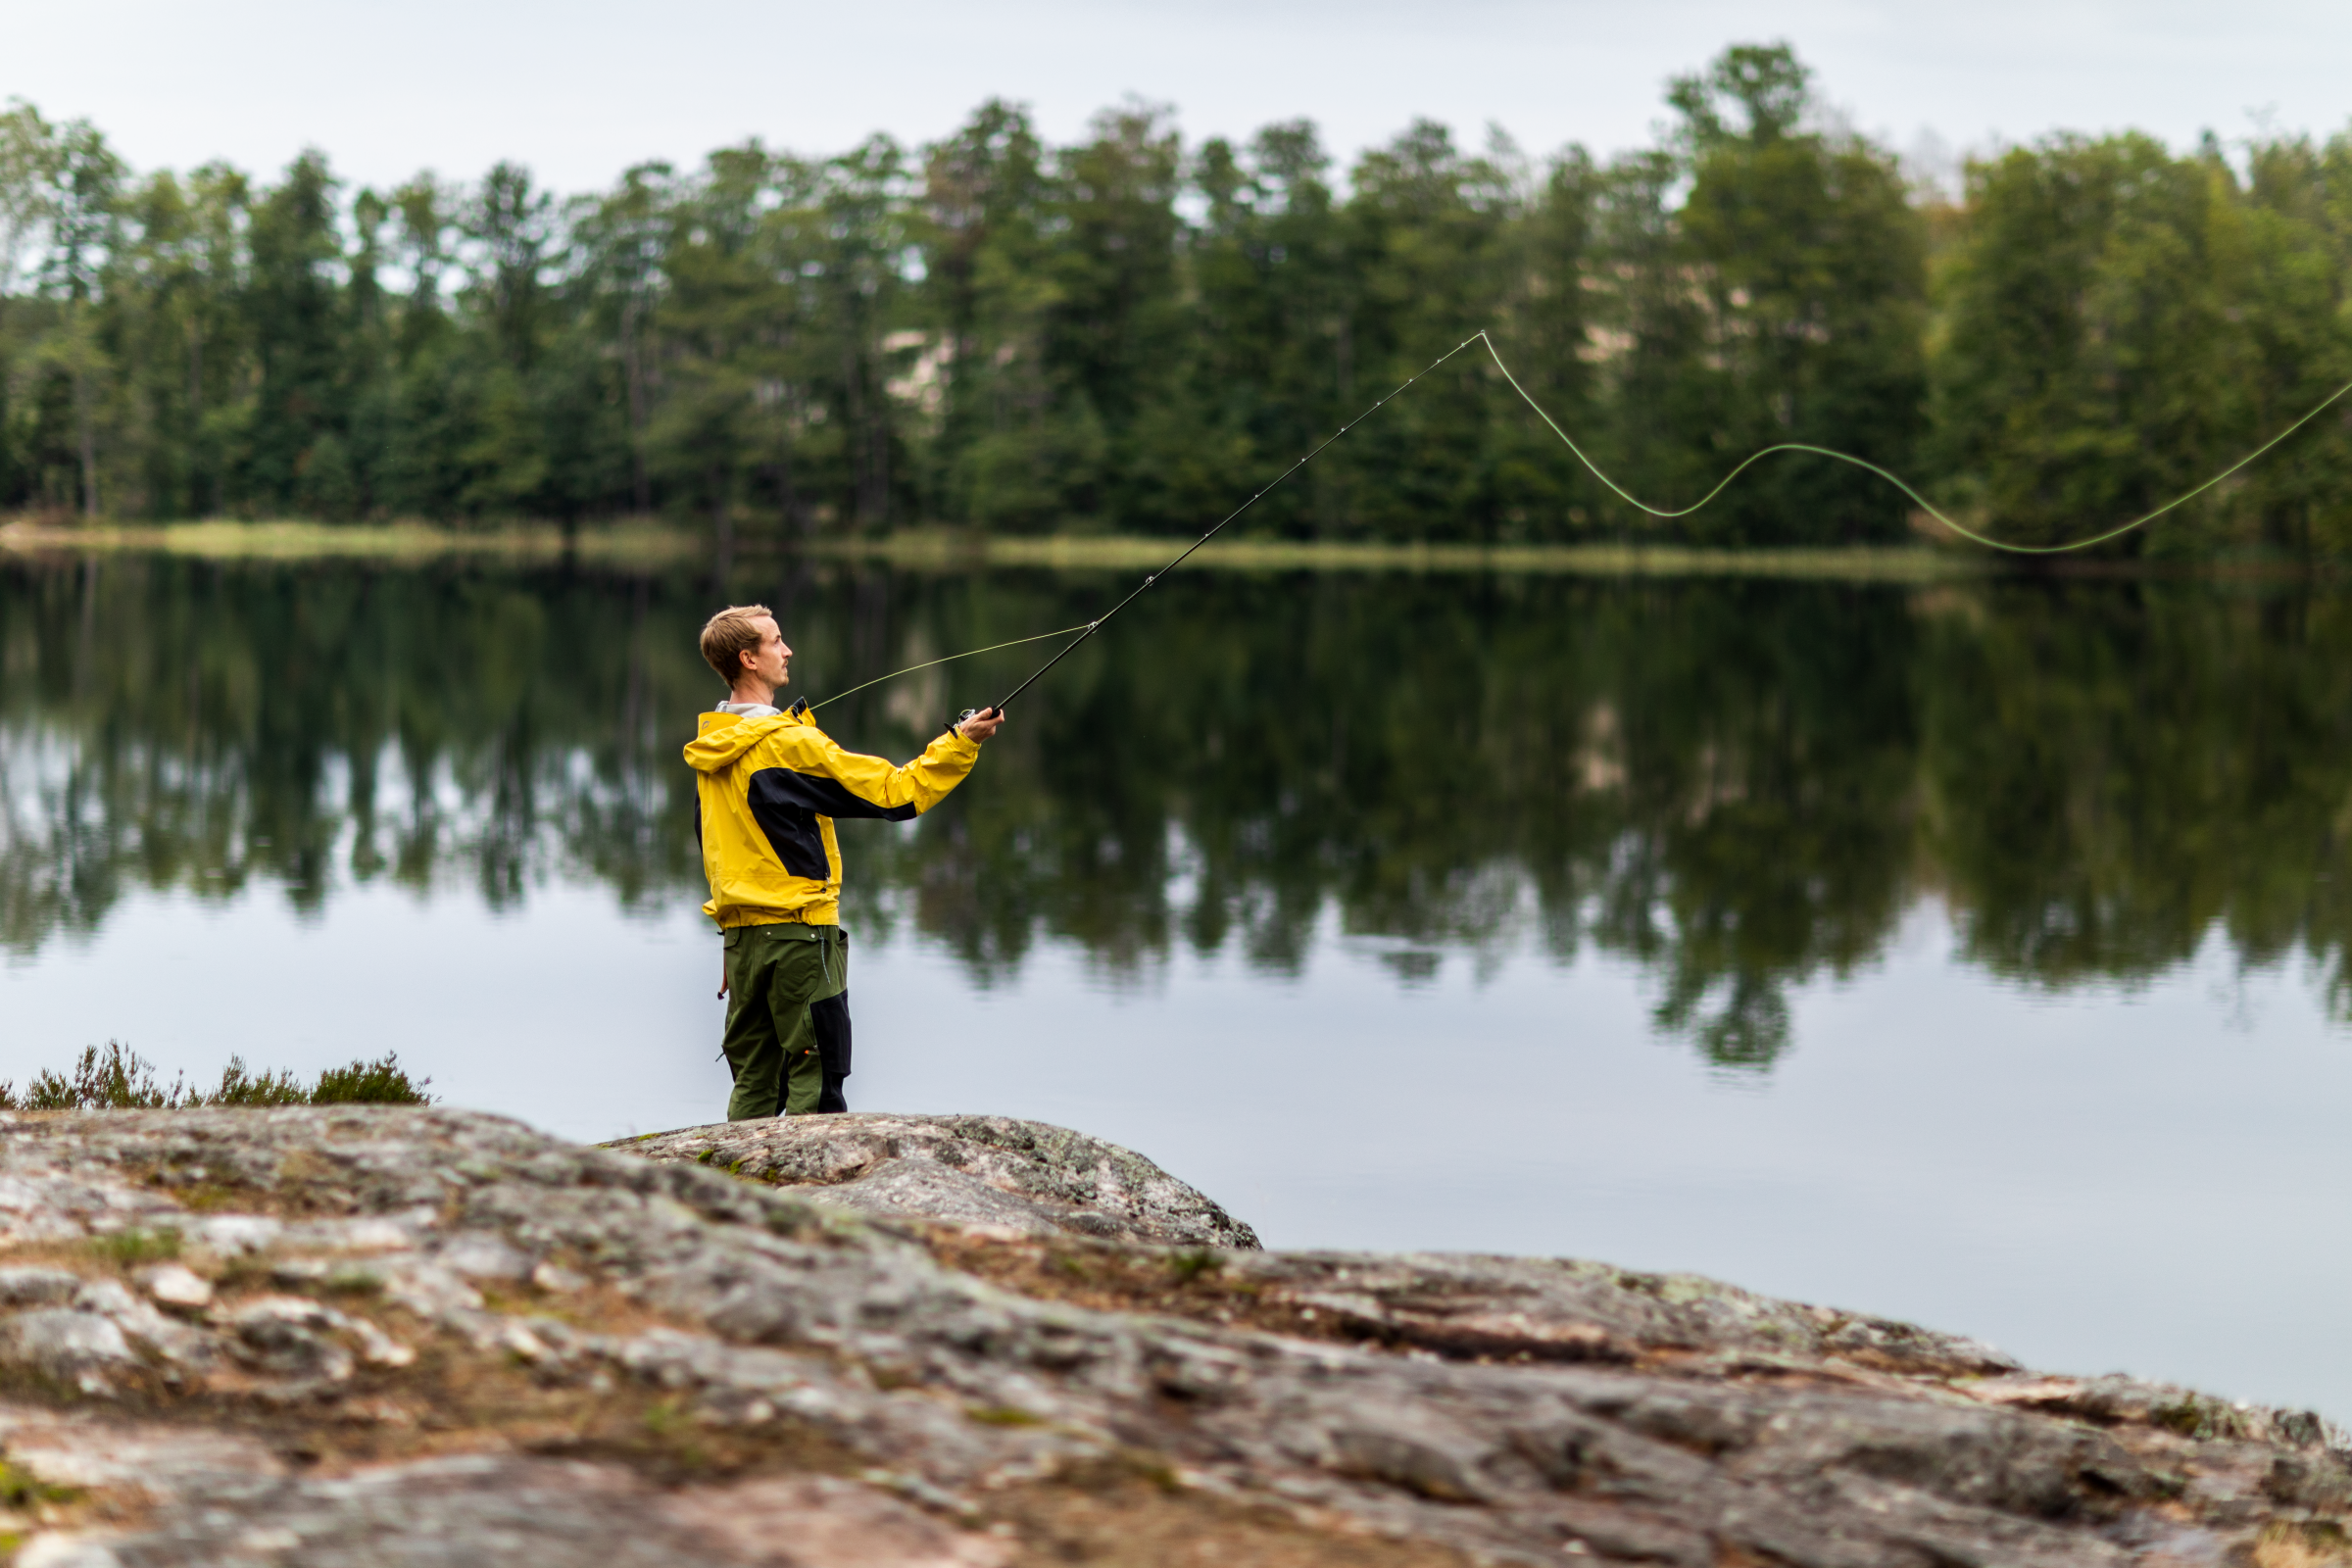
pixel 771 784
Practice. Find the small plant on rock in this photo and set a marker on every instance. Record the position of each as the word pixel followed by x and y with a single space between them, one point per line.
pixel 118 1078
pixel 131 1248
pixel 240 1087
pixel 381 1082
pixel 1194 1263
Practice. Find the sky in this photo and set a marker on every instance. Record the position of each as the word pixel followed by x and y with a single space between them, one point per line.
pixel 581 90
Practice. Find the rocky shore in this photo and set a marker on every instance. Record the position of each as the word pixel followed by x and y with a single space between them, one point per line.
pixel 390 1336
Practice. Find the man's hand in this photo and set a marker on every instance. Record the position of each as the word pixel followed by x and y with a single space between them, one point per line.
pixel 722 975
pixel 981 725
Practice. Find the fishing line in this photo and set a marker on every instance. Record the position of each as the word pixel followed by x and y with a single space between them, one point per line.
pixel 972 653
pixel 1867 467
pixel 1626 496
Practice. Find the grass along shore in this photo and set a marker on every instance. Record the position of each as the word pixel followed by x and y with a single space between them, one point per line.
pixel 942 548
pixel 647 543
pixel 637 539
pixel 650 541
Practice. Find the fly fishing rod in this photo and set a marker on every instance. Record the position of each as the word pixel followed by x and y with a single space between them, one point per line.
pixel 1091 628
pixel 1099 621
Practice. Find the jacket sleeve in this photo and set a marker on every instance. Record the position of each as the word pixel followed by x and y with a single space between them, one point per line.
pixel 868 786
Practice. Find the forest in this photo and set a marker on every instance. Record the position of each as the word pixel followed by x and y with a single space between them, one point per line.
pixel 1132 333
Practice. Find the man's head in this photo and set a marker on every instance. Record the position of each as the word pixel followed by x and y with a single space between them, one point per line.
pixel 743 645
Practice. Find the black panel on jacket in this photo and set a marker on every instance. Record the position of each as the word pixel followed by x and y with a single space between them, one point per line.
pixel 786 805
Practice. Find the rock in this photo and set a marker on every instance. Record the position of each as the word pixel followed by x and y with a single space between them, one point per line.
pixel 38 1287
pixel 173 1285
pixel 1559 1309
pixel 73 1348
pixel 553 1277
pixel 441 1337
pixel 571 1516
pixel 1025 1176
pixel 832 1523
pixel 289 1337
pixel 482 1258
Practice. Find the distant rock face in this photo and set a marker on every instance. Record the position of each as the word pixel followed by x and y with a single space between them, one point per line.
pixel 378 1336
pixel 1025 1176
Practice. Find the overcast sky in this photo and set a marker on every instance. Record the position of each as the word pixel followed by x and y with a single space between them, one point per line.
pixel 580 90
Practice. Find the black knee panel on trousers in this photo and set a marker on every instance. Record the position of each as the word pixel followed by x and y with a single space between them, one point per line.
pixel 831 1021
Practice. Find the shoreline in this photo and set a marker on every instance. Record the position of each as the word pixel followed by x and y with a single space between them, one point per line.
pixel 922 549
pixel 645 543
pixel 222 540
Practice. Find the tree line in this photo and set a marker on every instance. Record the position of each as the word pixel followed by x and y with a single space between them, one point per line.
pixel 1132 333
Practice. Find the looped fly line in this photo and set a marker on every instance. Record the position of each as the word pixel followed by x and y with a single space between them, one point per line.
pixel 1867 467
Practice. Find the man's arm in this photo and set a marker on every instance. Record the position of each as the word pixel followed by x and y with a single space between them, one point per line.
pixel 848 784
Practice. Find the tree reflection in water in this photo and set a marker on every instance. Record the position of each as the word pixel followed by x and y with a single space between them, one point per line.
pixel 1737 784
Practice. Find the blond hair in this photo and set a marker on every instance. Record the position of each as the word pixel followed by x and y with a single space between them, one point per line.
pixel 729 635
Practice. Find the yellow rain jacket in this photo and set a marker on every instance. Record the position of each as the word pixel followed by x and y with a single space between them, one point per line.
pixel 768 792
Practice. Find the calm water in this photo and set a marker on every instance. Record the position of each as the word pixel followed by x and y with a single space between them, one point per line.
pixel 1974 955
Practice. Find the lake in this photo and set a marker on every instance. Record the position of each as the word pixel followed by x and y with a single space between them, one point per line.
pixel 1971 952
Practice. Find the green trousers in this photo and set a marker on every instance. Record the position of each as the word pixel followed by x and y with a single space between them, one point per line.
pixel 775 976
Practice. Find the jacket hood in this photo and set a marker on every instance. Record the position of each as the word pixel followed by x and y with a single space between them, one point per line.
pixel 722 738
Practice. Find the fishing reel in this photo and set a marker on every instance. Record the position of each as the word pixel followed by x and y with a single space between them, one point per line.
pixel 966 717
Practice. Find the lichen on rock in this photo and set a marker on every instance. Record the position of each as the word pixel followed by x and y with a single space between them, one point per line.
pixel 1023 1176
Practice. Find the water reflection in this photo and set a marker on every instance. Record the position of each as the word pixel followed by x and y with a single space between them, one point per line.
pixel 1741 785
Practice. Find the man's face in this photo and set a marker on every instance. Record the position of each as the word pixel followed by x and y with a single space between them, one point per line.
pixel 771 660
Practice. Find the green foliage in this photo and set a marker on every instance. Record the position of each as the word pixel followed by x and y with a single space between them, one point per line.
pixel 1002 1415
pixel 2118 325
pixel 129 1248
pixel 24 1493
pixel 381 1082
pixel 114 1079
pixel 1188 1264
pixel 118 1078
pixel 353 1282
pixel 1131 333
pixel 240 1087
pixel 1811 267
